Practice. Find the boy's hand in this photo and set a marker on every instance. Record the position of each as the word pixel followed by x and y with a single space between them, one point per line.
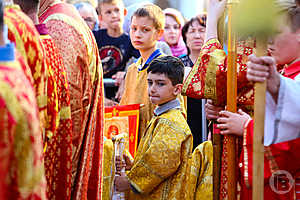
pixel 120 91
pixel 127 164
pixel 212 112
pixel 232 123
pixel 264 68
pixel 119 165
pixel 108 102
pixel 118 77
pixel 121 183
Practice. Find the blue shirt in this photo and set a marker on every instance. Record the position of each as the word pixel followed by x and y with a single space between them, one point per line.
pixel 7 52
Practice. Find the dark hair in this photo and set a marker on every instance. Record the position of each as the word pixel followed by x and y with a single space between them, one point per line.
pixel 28 5
pixel 201 19
pixel 154 13
pixel 171 66
pixel 1 14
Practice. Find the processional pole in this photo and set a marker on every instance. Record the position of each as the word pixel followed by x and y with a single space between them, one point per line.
pixel 230 144
pixel 256 18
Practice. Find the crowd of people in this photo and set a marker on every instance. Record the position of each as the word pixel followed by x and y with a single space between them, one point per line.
pixel 63 62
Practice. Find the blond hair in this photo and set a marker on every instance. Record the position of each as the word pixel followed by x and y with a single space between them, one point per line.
pixel 100 2
pixel 154 12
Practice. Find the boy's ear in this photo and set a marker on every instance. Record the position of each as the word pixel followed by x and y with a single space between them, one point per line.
pixel 125 12
pixel 160 33
pixel 177 89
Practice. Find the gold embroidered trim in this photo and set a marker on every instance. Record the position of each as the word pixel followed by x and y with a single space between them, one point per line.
pixel 122 113
pixel 65 113
pixel 210 90
pixel 272 162
pixel 45 37
pixel 192 73
pixel 42 101
pixel 246 161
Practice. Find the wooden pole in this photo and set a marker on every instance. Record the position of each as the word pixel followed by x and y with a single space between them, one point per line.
pixel 258 135
pixel 217 138
pixel 257 18
pixel 230 145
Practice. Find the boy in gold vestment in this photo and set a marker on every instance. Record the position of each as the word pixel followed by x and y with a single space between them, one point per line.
pixel 147 25
pixel 160 168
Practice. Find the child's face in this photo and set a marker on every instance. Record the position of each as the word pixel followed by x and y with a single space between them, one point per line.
pixel 285 47
pixel 160 89
pixel 112 15
pixel 172 31
pixel 143 34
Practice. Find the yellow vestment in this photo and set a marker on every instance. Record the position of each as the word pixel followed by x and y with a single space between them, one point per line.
pixel 161 165
pixel 201 173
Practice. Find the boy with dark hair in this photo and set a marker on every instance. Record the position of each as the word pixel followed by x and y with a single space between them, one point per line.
pixel 114 45
pixel 160 168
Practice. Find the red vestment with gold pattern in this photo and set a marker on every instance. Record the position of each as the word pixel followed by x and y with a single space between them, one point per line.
pixel 208 80
pixel 22 32
pixel 84 72
pixel 21 159
pixel 58 154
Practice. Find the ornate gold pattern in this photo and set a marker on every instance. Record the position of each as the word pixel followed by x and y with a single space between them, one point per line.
pixel 161 164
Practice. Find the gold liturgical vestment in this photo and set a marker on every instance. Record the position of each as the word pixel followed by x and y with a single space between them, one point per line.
pixel 161 164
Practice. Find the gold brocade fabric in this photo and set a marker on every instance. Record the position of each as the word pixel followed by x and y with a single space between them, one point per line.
pixel 161 164
pixel 136 92
pixel 201 174
pixel 108 169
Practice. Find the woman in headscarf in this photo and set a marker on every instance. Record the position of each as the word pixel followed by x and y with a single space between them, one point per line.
pixel 172 35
